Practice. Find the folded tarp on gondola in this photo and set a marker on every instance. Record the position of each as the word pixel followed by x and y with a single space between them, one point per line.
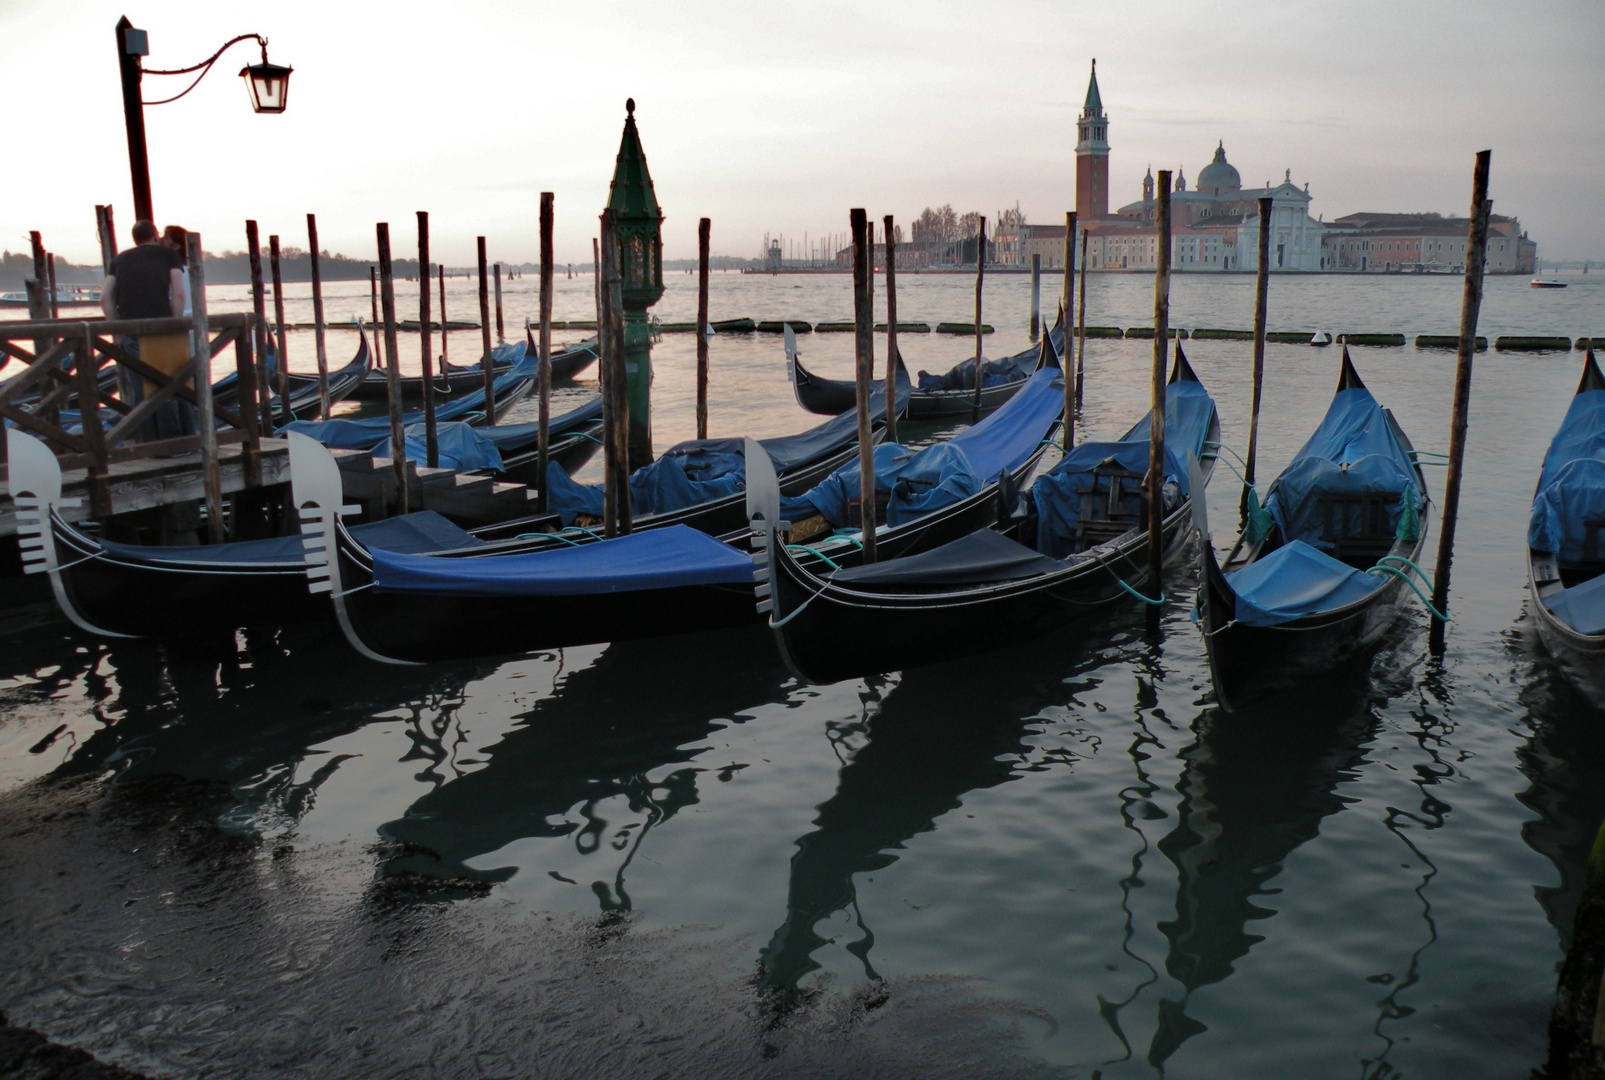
pixel 1354 453
pixel 917 482
pixel 1294 581
pixel 676 556
pixel 701 470
pixel 977 559
pixel 459 447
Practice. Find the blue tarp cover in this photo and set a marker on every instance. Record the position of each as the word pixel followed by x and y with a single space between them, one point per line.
pixel 510 352
pixel 461 448
pixel 702 470
pixel 962 376
pixel 673 557
pixel 521 438
pixel 1297 580
pixel 1354 451
pixel 1189 417
pixel 412 533
pixel 1582 607
pixel 1571 488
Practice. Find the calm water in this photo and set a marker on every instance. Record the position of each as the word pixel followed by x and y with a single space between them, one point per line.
pixel 261 856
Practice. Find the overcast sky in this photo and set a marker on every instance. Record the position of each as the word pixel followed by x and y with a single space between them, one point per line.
pixel 780 117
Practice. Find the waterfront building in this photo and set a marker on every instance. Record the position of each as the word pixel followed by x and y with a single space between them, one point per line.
pixel 1424 244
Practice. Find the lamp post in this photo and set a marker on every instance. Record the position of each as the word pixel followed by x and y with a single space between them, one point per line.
pixel 267 84
pixel 639 224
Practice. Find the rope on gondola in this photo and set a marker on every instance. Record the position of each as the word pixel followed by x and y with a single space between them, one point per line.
pixel 1384 564
pixel 826 559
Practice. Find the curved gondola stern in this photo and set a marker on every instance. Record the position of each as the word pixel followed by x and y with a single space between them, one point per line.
pixel 768 553
pixel 1348 377
pixel 320 500
pixel 1180 369
pixel 1592 377
pixel 1047 355
pixel 35 482
pixel 1217 608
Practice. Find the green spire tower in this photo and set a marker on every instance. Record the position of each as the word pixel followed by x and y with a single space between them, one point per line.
pixel 639 223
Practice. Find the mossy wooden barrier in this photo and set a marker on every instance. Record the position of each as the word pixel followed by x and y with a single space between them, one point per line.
pixel 1584 343
pixel 1577 1026
pixel 1446 341
pixel 1375 340
pixel 580 324
pixel 1208 334
pixel 834 328
pixel 1533 344
pixel 1102 331
pixel 961 328
pixel 776 326
pixel 1285 337
pixel 1147 332
pixel 905 327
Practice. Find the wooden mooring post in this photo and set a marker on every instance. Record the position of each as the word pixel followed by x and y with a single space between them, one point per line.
pixel 259 338
pixel 282 348
pixel 445 340
pixel 373 298
pixel 1081 326
pixel 616 461
pixel 50 280
pixel 387 303
pixel 485 362
pixel 1262 286
pixel 980 279
pixel 201 373
pixel 501 335
pixel 1470 306
pixel 704 227
pixel 1036 295
pixel 107 234
pixel 1072 384
pixel 864 337
pixel 319 343
pixel 543 385
pixel 426 345
pixel 1156 422
pixel 891 330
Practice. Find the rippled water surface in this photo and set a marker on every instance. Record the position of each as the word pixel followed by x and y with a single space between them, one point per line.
pixel 262 855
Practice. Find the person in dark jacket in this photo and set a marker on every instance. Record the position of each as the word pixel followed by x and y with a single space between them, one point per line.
pixel 147 282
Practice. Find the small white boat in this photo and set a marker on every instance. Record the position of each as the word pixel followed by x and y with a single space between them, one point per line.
pixel 1540 283
pixel 66 296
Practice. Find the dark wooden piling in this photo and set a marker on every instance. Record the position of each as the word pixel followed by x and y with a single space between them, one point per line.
pixel 980 279
pixel 704 226
pixel 864 336
pixel 50 281
pixel 281 344
pixel 1470 305
pixel 445 338
pixel 1156 423
pixel 1072 385
pixel 107 233
pixel 398 435
pixel 427 345
pixel 484 336
pixel 373 297
pixel 1081 324
pixel 317 315
pixel 1262 284
pixel 1036 296
pixel 200 352
pixel 264 385
pixel 616 463
pixel 501 334
pixel 891 331
pixel 41 298
pixel 543 385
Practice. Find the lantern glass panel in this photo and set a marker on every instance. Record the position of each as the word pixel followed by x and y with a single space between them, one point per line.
pixel 268 85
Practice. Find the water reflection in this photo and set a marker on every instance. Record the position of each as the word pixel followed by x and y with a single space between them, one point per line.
pixel 919 749
pixel 587 763
pixel 1254 786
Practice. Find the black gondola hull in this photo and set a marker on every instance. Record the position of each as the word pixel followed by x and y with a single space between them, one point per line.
pixel 1580 657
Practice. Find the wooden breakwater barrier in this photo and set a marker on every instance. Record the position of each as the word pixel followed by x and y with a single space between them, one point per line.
pixel 961 328
pixel 1384 341
pixel 1518 343
pixel 1147 333
pixel 1446 341
pixel 1098 331
pixel 776 326
pixel 1583 344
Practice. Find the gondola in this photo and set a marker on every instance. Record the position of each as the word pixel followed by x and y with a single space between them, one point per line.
pixel 1319 574
pixel 667 580
pixel 303 389
pixel 1071 549
pixel 1565 553
pixel 130 590
pixel 457 380
pixel 951 394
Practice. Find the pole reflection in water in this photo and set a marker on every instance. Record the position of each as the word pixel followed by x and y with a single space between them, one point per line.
pixel 585 758
pixel 1254 786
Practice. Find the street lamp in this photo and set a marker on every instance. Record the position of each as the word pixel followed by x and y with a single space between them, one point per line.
pixel 268 86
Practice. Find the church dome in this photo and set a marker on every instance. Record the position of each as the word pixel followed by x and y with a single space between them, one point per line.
pixel 1218 177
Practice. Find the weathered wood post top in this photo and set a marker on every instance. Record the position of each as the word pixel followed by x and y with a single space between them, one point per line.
pixel 639 223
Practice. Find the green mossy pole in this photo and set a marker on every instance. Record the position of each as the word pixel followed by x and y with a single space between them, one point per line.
pixel 1156 424
pixel 864 331
pixel 612 330
pixel 1262 283
pixel 1470 305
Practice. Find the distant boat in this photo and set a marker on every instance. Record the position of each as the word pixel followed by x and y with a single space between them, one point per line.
pixel 66 296
pixel 1540 283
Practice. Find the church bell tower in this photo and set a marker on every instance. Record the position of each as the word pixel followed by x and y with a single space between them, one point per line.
pixel 1092 156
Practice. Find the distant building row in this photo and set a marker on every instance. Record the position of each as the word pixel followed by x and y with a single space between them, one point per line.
pixel 1215 226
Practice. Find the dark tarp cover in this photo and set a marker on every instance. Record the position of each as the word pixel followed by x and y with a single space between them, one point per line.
pixel 995 373
pixel 1189 418
pixel 676 556
pixel 520 438
pixel 1571 488
pixel 1582 607
pixel 1354 451
pixel 702 470
pixel 510 352
pixel 412 533
pixel 919 482
pixel 1296 580
pixel 977 559
pixel 461 448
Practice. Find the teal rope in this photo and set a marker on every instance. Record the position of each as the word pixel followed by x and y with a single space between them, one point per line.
pixel 826 559
pixel 548 536
pixel 587 435
pixel 587 532
pixel 1138 595
pixel 1402 576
